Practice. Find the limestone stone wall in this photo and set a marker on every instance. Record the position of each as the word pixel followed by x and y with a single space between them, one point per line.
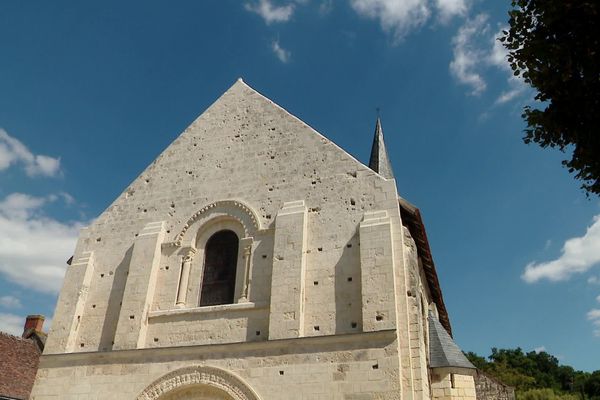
pixel 452 387
pixel 246 148
pixel 488 388
pixel 418 303
pixel 359 366
pixel 330 300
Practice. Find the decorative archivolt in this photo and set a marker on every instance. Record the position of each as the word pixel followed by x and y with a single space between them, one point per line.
pixel 224 208
pixel 199 375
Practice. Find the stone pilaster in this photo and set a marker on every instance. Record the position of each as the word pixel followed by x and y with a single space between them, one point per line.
pixel 377 272
pixel 286 319
pixel 139 289
pixel 71 302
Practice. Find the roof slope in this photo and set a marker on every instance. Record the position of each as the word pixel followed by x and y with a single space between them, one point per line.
pixel 442 349
pixel 244 125
pixel 20 359
pixel 411 217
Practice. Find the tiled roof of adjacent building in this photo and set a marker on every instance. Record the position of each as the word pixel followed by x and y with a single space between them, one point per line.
pixel 19 363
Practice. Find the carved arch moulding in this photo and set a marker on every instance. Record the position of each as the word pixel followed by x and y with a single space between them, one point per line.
pixel 213 377
pixel 227 209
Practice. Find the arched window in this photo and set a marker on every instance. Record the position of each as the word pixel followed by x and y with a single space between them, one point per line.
pixel 220 262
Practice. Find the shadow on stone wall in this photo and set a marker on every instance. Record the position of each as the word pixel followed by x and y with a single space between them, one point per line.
pixel 113 309
pixel 348 294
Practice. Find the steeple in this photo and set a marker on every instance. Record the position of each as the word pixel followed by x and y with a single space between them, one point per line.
pixel 379 161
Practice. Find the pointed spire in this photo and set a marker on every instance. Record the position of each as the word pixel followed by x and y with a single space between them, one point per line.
pixel 379 161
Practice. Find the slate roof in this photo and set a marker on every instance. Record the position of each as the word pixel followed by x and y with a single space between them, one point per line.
pixel 379 161
pixel 443 352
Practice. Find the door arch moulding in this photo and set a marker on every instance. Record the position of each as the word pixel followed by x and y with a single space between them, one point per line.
pixel 214 377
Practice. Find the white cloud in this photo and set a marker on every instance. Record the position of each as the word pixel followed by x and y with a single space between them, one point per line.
pixel 594 316
pixel 499 59
pixel 12 151
pixel 498 55
pixel 468 55
pixel 598 299
pixel 11 323
pixel 539 349
pixel 43 165
pixel 10 302
pixel 475 45
pixel 593 280
pixel 475 51
pixel 579 254
pixel 282 54
pixel 34 248
pixel 325 7
pixel 397 17
pixel 451 8
pixel 509 95
pixel 67 198
pixel 20 205
pixel 400 17
pixel 270 12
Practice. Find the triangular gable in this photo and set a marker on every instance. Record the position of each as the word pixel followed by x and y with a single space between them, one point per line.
pixel 236 134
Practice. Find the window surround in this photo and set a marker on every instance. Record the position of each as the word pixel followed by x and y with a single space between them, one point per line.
pixel 191 240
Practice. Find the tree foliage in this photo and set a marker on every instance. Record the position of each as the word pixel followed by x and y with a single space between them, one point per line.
pixel 554 46
pixel 538 375
pixel 545 394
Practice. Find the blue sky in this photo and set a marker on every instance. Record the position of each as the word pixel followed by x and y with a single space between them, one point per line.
pixel 91 93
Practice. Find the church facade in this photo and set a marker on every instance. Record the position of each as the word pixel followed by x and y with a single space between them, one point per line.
pixel 254 259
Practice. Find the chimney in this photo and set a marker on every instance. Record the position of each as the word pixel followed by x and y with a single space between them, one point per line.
pixel 33 323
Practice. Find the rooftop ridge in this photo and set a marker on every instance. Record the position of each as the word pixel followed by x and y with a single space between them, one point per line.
pixel 20 338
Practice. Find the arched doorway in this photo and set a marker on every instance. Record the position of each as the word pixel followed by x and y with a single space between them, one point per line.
pixel 199 383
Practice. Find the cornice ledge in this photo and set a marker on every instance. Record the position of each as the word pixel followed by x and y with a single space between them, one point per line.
pixel 368 339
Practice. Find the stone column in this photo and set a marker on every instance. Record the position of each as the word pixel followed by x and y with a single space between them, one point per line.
pixel 377 272
pixel 139 288
pixel 246 247
pixel 184 278
pixel 286 319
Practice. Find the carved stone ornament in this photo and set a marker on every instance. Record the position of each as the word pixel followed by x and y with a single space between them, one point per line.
pixel 191 376
pixel 233 208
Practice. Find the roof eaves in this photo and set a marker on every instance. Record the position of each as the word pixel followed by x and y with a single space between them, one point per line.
pixel 411 217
